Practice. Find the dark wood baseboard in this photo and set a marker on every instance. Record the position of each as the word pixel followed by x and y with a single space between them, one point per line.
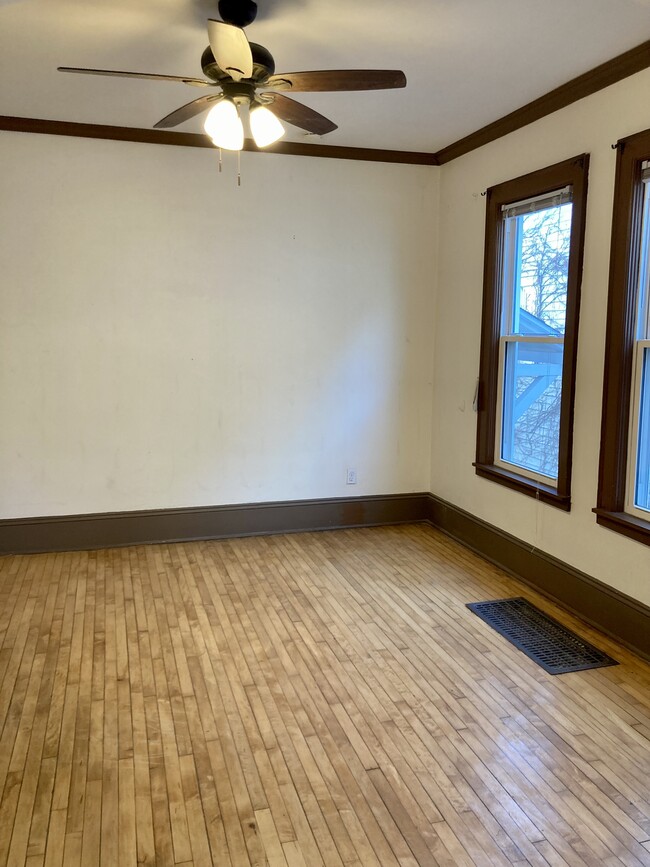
pixel 616 614
pixel 112 529
pixel 609 610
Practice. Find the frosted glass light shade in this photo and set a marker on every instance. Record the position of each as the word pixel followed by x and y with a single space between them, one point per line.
pixel 265 126
pixel 224 126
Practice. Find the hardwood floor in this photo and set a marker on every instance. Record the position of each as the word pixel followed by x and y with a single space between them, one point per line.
pixel 315 699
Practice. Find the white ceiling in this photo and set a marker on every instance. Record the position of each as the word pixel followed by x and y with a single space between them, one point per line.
pixel 468 62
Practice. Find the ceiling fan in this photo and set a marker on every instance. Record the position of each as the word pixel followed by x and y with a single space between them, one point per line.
pixel 240 73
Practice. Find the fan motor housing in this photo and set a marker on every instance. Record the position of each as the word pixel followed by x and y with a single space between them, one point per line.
pixel 241 13
pixel 263 64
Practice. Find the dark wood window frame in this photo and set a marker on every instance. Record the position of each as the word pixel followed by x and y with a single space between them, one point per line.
pixel 620 339
pixel 571 172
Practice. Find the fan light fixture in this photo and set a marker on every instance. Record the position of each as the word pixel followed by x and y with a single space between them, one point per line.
pixel 243 74
pixel 226 130
pixel 265 126
pixel 224 126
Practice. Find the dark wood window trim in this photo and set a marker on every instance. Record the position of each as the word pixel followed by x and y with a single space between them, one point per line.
pixel 619 341
pixel 571 172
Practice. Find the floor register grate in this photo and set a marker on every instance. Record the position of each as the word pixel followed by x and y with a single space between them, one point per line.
pixel 540 637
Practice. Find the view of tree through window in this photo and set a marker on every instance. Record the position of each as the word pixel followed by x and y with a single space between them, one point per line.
pixel 537 245
pixel 545 264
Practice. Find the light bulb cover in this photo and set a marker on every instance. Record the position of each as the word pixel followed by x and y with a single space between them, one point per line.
pixel 265 126
pixel 224 126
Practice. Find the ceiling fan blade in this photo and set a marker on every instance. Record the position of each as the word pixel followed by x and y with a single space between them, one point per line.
pixel 298 114
pixel 195 82
pixel 185 112
pixel 231 49
pixel 338 79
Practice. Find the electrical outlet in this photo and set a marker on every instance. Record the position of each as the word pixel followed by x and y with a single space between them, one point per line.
pixel 351 476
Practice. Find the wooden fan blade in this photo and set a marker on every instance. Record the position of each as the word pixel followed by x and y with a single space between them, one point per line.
pixel 338 79
pixel 298 114
pixel 185 112
pixel 195 82
pixel 230 49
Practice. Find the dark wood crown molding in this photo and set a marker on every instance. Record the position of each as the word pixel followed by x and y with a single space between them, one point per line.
pixel 598 78
pixel 196 140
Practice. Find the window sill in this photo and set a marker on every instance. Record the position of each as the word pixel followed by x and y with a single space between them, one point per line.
pixel 545 493
pixel 628 525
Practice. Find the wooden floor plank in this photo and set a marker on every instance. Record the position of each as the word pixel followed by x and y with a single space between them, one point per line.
pixel 313 700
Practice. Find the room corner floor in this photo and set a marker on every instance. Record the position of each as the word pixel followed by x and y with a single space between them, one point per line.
pixel 313 699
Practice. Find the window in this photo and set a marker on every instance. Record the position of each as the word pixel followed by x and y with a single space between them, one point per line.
pixel 533 265
pixel 638 487
pixel 624 479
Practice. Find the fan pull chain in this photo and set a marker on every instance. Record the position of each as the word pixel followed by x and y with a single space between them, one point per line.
pixel 221 163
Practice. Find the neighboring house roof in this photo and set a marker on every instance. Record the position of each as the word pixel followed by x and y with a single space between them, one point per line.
pixel 531 324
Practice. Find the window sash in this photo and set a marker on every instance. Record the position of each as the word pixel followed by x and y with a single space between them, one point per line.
pixel 639 353
pixel 641 358
pixel 504 341
pixel 643 298
pixel 510 333
pixel 511 288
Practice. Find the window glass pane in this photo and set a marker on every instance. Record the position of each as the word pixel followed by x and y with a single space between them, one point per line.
pixel 538 271
pixel 532 395
pixel 643 326
pixel 642 480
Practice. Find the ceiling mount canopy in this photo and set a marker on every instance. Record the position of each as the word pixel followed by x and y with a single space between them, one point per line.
pixel 241 13
pixel 241 74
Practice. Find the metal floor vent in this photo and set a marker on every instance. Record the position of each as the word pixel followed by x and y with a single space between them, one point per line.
pixel 540 637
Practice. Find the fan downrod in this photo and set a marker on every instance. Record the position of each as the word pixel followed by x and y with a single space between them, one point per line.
pixel 241 13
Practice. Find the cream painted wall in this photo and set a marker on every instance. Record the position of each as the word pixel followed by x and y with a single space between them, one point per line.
pixel 590 125
pixel 167 339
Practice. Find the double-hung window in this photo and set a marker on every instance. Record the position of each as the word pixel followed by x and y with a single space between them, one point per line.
pixel 624 482
pixel 638 483
pixel 533 261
